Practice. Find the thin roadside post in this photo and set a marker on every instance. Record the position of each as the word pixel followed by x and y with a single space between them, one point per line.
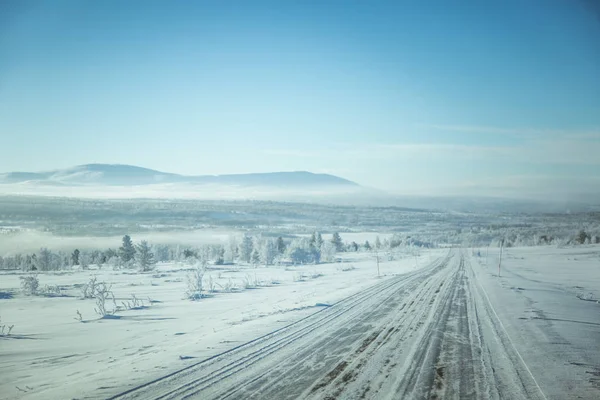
pixel 500 262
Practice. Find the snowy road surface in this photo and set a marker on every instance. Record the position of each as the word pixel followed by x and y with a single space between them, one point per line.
pixel 453 330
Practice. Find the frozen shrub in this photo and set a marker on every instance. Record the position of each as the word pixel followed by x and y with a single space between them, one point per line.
pixel 250 282
pixel 51 291
pixel 5 329
pixel 134 303
pixel 88 290
pixel 194 281
pixel 316 275
pixel 30 285
pixel 228 286
pixel 103 293
pixel 299 277
pixel 210 284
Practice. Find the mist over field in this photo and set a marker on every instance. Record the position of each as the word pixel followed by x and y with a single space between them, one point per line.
pixel 30 241
pixel 109 181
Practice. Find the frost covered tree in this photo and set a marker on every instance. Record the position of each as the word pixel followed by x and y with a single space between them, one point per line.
pixel 205 253
pixel 161 252
pixel 46 260
pixel 176 253
pixel 245 249
pixel 319 240
pixel 220 255
pixel 255 257
pixel 96 258
pixel 268 252
pixel 314 248
pixel 29 262
pixel 298 255
pixel 114 262
pixel 127 250
pixel 43 259
pixel 188 253
pixel 301 251
pixel 75 257
pixel 85 260
pixel 232 248
pixel 397 240
pixel 228 256
pixel 316 240
pixel 377 243
pixel 367 245
pixel 144 256
pixel 337 241
pixel 108 254
pixel 582 237
pixel 280 245
pixel 328 252
pixel 315 255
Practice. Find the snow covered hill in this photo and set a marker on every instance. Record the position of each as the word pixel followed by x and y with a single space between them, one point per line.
pixel 129 175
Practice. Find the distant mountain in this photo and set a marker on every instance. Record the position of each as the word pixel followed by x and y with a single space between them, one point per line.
pixel 129 175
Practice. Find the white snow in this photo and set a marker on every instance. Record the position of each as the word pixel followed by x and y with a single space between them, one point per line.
pixel 50 354
pixel 545 301
pixel 548 301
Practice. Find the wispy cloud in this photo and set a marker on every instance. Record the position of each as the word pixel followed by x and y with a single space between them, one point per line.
pixel 538 151
pixel 518 132
pixel 446 148
pixel 558 151
pixel 335 151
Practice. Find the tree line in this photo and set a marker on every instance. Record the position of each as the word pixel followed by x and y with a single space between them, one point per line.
pixel 250 249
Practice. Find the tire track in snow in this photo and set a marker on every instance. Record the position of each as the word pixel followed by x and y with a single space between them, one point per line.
pixel 430 334
pixel 197 377
pixel 525 377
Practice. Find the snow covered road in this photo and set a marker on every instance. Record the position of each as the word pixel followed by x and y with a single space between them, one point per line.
pixel 432 333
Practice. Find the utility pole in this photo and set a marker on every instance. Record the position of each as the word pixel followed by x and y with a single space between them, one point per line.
pixel 377 258
pixel 500 262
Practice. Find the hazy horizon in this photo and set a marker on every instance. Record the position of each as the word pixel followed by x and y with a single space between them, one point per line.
pixel 273 190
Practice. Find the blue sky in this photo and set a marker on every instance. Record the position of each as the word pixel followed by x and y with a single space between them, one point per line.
pixel 441 97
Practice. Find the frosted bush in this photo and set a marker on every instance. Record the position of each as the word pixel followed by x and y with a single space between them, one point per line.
pixel 5 329
pixel 30 285
pixel 194 281
pixel 88 290
pixel 104 293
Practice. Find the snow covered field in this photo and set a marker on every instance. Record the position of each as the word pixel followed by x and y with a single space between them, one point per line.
pixel 440 325
pixel 50 354
pixel 548 301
